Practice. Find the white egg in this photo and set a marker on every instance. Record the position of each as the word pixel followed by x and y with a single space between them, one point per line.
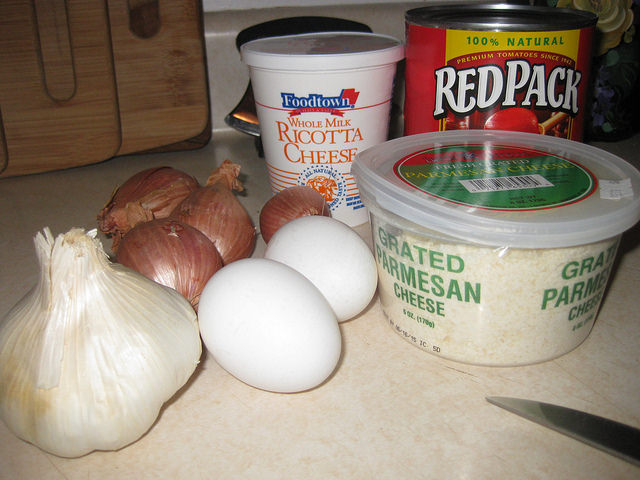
pixel 333 256
pixel 269 326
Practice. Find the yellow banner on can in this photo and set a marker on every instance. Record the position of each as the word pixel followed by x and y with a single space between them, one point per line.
pixel 461 43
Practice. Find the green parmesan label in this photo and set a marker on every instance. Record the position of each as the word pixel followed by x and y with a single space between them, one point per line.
pixel 497 177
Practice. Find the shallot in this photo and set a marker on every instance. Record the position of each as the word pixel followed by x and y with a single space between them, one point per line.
pixel 289 204
pixel 215 211
pixel 151 193
pixel 171 253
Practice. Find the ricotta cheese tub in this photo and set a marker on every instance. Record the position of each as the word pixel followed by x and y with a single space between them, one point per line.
pixel 320 99
pixel 494 248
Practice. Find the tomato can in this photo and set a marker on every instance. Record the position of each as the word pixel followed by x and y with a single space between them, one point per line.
pixel 497 67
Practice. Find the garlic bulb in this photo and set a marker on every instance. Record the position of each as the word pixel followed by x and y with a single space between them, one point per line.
pixel 91 353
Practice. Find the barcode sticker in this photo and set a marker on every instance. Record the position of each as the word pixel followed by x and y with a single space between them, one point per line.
pixel 616 189
pixel 498 184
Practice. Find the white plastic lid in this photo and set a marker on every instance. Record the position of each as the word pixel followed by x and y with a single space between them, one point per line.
pixel 322 51
pixel 501 188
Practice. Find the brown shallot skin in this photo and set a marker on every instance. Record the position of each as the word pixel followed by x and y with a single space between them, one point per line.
pixel 149 194
pixel 289 204
pixel 172 254
pixel 215 211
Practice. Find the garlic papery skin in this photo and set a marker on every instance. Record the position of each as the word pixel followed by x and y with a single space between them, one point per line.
pixel 89 356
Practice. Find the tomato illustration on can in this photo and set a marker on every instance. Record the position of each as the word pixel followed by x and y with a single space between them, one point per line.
pixel 497 67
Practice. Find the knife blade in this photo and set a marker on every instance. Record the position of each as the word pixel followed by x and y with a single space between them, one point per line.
pixel 610 436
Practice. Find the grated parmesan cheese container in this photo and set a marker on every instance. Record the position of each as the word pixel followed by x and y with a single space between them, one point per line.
pixel 494 248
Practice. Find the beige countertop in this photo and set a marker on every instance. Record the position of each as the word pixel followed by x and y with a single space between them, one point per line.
pixel 390 411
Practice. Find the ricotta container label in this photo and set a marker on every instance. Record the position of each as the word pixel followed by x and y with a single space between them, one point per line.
pixel 310 137
pixel 321 99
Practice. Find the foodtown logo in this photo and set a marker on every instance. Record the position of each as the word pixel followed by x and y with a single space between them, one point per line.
pixel 316 102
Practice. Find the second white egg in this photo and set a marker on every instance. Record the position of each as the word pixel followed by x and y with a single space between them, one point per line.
pixel 333 256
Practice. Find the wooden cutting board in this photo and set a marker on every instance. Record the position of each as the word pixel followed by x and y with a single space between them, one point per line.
pixel 82 81
pixel 160 72
pixel 57 89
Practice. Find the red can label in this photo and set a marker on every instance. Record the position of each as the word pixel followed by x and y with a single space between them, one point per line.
pixel 533 82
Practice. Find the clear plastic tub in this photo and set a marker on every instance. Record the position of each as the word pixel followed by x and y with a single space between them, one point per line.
pixel 494 248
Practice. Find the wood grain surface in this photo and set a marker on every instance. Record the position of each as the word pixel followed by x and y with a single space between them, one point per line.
pixel 82 81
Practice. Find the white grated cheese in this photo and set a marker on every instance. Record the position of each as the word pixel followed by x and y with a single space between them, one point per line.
pixel 485 305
